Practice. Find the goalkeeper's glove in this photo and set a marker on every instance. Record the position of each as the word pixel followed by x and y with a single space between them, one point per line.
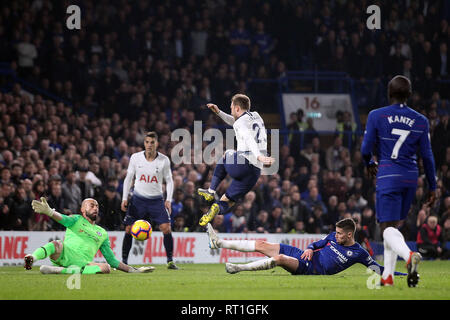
pixel 140 270
pixel 42 207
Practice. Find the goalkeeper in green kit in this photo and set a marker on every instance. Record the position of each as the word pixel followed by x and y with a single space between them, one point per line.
pixel 82 240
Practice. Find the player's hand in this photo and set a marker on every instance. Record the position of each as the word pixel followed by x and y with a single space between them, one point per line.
pixel 307 254
pixel 42 207
pixel 372 169
pixel 431 198
pixel 140 270
pixel 266 161
pixel 124 205
pixel 168 206
pixel 213 108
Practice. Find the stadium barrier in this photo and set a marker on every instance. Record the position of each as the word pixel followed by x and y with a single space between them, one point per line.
pixel 189 247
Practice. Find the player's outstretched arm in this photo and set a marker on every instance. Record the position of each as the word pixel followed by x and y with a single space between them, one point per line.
pixel 43 207
pixel 229 119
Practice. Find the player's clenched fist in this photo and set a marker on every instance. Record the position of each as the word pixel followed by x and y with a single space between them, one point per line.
pixel 266 161
pixel 42 207
pixel 213 107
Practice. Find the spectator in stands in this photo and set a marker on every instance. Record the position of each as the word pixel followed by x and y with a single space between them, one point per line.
pixel 71 193
pixel 111 216
pixel 430 239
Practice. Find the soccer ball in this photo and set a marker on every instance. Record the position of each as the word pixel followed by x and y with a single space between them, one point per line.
pixel 141 230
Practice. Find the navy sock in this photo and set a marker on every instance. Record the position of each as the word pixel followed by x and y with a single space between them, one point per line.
pixel 224 206
pixel 219 174
pixel 126 247
pixel 168 245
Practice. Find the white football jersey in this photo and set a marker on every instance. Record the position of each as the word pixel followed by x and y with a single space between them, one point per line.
pixel 149 176
pixel 251 136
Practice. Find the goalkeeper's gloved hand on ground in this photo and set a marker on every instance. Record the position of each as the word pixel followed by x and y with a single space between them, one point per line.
pixel 42 207
pixel 140 269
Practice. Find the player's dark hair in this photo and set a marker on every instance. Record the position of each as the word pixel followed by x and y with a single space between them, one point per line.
pixel 347 224
pixel 399 89
pixel 241 100
pixel 152 134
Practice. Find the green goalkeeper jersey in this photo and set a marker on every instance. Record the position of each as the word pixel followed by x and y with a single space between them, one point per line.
pixel 82 241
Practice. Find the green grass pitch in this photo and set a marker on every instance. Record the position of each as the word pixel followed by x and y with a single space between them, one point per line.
pixel 211 282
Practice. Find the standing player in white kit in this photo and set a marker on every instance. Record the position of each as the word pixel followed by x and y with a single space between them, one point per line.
pixel 147 203
pixel 243 165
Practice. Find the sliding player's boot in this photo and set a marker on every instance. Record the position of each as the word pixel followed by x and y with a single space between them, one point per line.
pixel 388 282
pixel 208 196
pixel 213 238
pixel 28 261
pixel 232 268
pixel 412 265
pixel 207 217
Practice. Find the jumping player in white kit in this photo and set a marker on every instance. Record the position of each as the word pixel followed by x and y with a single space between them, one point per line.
pixel 243 165
pixel 150 168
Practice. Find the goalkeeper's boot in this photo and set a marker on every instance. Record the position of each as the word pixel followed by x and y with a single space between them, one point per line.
pixel 207 217
pixel 206 194
pixel 412 265
pixel 51 269
pixel 213 238
pixel 28 261
pixel 171 265
pixel 388 282
pixel 232 268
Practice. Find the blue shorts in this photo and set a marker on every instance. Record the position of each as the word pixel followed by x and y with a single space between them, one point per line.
pixel 394 204
pixel 152 210
pixel 244 174
pixel 304 266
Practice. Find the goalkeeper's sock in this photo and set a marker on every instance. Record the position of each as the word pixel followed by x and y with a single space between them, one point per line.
pixel 44 251
pixel 168 245
pixel 390 259
pixel 126 247
pixel 239 245
pixel 264 264
pixel 92 269
pixel 396 242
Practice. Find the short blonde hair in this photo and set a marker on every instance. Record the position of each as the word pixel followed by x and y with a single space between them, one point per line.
pixel 241 100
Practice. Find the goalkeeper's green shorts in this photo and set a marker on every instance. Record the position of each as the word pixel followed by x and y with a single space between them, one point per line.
pixel 70 257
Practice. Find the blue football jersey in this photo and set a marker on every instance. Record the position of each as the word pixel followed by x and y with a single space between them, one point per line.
pixel 398 131
pixel 330 257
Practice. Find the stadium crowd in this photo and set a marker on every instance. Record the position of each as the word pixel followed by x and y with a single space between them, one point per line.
pixel 138 67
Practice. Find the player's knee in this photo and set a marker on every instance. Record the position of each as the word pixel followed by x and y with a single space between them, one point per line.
pixel 106 268
pixel 58 246
pixel 128 229
pixel 165 228
pixel 279 259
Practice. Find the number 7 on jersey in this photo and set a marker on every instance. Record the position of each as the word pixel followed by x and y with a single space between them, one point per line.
pixel 403 135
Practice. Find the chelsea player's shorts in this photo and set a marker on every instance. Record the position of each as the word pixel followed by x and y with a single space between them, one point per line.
pixel 394 204
pixel 304 266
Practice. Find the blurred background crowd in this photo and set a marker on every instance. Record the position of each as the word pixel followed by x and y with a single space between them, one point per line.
pixel 138 66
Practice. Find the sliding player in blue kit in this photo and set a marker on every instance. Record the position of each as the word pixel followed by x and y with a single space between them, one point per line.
pixel 335 253
pixel 397 131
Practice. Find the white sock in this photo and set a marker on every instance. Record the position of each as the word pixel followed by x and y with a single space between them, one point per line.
pixel 390 260
pixel 211 190
pixel 396 242
pixel 264 264
pixel 239 245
